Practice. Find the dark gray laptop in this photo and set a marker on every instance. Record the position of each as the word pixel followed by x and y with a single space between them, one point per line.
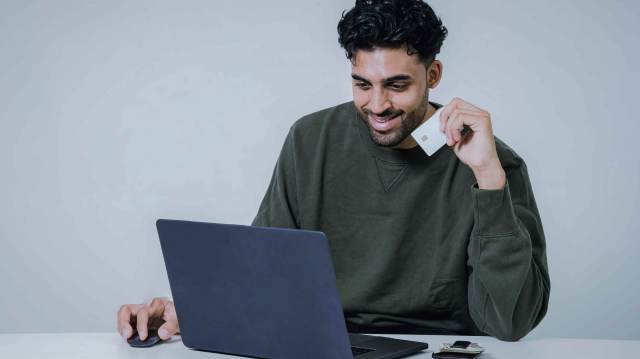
pixel 263 293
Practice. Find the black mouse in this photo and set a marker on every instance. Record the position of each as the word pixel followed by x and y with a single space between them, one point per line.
pixel 152 339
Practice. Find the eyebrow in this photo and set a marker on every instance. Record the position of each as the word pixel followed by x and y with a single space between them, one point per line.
pixel 401 77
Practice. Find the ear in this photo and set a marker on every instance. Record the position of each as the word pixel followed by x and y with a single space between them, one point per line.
pixel 434 74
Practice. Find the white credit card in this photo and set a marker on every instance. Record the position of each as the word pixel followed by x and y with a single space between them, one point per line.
pixel 428 134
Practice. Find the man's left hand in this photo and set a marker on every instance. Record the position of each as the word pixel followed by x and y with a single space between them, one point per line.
pixel 477 148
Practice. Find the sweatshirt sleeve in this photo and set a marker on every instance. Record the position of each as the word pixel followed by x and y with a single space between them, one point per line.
pixel 279 206
pixel 508 275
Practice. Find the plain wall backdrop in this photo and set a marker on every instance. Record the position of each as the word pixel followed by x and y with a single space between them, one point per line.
pixel 116 113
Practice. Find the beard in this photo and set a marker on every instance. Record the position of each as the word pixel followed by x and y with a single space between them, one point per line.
pixel 409 121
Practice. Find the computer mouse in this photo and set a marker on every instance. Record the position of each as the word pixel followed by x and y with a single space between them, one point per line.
pixel 152 339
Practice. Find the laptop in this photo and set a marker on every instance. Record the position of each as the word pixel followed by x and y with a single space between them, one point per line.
pixel 262 293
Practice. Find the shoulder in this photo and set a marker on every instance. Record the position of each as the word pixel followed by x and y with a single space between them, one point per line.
pixel 508 157
pixel 324 122
pixel 517 174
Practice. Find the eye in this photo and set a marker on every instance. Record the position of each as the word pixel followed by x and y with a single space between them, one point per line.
pixel 362 85
pixel 397 87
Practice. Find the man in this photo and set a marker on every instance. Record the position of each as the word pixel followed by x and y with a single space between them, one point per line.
pixel 445 244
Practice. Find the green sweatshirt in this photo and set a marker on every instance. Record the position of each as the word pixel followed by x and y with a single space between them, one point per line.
pixel 416 246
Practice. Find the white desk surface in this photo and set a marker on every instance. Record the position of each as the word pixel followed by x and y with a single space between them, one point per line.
pixel 110 345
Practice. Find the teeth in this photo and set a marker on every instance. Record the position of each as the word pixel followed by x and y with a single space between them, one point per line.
pixel 383 119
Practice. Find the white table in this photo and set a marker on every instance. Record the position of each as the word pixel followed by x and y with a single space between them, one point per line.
pixel 110 345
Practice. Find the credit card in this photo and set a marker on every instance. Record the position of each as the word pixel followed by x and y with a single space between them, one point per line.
pixel 428 135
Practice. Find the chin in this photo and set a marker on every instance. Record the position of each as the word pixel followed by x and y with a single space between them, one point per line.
pixel 390 139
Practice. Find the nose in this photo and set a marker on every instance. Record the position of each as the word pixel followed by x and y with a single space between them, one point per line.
pixel 379 102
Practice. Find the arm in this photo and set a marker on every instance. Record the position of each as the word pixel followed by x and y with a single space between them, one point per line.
pixel 279 207
pixel 508 289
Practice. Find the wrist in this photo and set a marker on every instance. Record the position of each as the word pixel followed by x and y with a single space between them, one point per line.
pixel 490 177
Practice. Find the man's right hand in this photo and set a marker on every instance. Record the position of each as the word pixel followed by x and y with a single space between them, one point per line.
pixel 159 314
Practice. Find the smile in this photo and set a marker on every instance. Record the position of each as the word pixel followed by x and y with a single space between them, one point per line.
pixel 383 124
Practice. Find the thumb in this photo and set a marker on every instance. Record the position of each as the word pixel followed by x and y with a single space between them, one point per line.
pixel 168 329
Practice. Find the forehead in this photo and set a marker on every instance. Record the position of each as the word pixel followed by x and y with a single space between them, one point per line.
pixel 381 63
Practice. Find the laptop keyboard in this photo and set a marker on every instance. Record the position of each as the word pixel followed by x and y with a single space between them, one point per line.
pixel 359 351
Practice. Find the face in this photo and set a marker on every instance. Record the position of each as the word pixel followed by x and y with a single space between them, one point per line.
pixel 390 91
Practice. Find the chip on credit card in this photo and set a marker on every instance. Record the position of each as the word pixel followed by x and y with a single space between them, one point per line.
pixel 428 134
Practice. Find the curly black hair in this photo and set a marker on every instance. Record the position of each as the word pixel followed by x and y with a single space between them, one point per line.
pixel 392 24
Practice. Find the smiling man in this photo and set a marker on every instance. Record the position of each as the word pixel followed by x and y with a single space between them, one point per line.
pixel 448 243
pixel 445 244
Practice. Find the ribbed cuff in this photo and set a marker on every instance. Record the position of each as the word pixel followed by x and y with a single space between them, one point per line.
pixel 493 211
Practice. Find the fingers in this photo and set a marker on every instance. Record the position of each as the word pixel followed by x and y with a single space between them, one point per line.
pixel 459 105
pixel 142 320
pixel 458 114
pixel 124 319
pixel 153 310
pixel 124 328
pixel 455 125
pixel 168 329
pixel 156 307
pixel 143 315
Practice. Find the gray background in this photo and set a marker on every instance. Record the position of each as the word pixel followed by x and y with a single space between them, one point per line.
pixel 116 113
